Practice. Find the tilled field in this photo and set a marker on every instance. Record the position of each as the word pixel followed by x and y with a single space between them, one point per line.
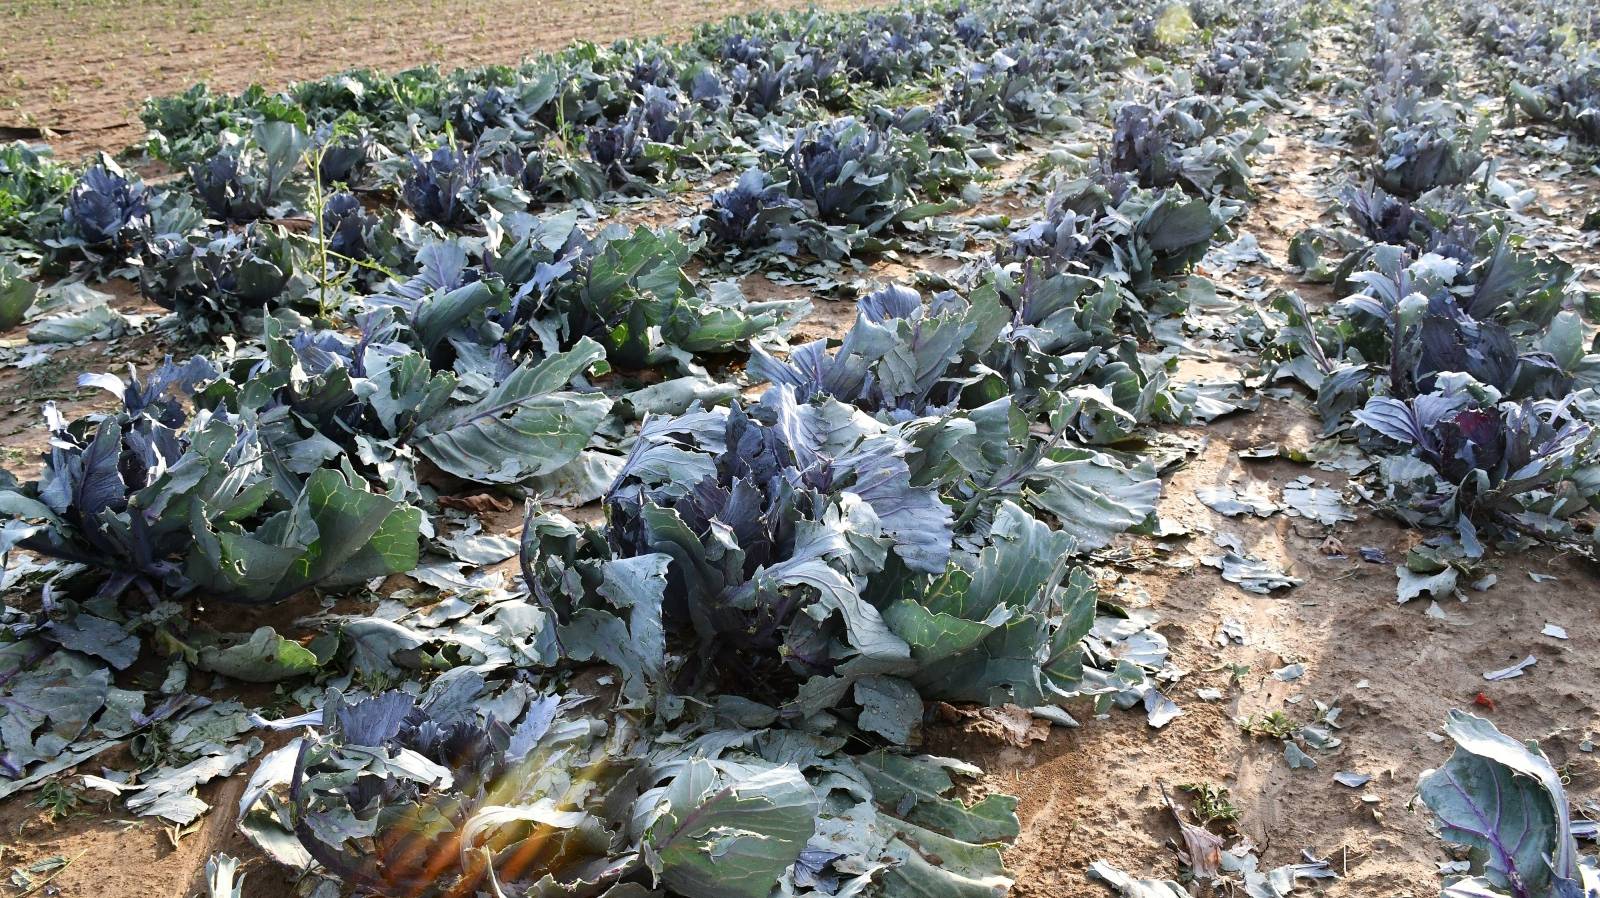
pixel 80 69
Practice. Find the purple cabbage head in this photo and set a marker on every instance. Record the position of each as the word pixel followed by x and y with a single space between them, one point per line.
pixel 421 821
pixel 493 107
pixel 745 214
pixel 617 147
pixel 707 89
pixel 105 205
pixel 344 225
pixel 343 158
pixel 845 168
pixel 435 189
pixel 661 114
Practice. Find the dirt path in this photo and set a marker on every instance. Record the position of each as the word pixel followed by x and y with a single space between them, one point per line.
pixel 81 68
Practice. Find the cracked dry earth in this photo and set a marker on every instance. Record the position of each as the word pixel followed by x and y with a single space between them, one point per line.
pixel 1096 792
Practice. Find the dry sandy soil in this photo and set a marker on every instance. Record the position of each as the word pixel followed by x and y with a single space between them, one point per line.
pixel 81 68
pixel 1094 792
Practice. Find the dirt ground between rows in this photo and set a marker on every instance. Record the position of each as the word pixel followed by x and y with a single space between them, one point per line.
pixel 81 68
pixel 1094 793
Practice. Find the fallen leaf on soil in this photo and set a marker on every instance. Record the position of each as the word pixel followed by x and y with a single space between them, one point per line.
pixel 1128 887
pixel 1202 849
pixel 1011 724
pixel 480 503
pixel 1512 672
pixel 1297 759
pixel 1352 779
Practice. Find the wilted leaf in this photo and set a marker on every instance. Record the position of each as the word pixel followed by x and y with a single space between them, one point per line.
pixel 727 838
pixel 527 425
pixel 265 657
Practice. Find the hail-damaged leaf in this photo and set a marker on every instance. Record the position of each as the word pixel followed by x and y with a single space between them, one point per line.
pixel 1304 498
pixel 916 788
pixel 17 294
pixel 1130 887
pixel 265 657
pixel 1094 497
pixel 1248 571
pixel 50 699
pixel 725 835
pixel 337 533
pixel 166 502
pixel 527 425
pixel 1229 502
pixel 1003 630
